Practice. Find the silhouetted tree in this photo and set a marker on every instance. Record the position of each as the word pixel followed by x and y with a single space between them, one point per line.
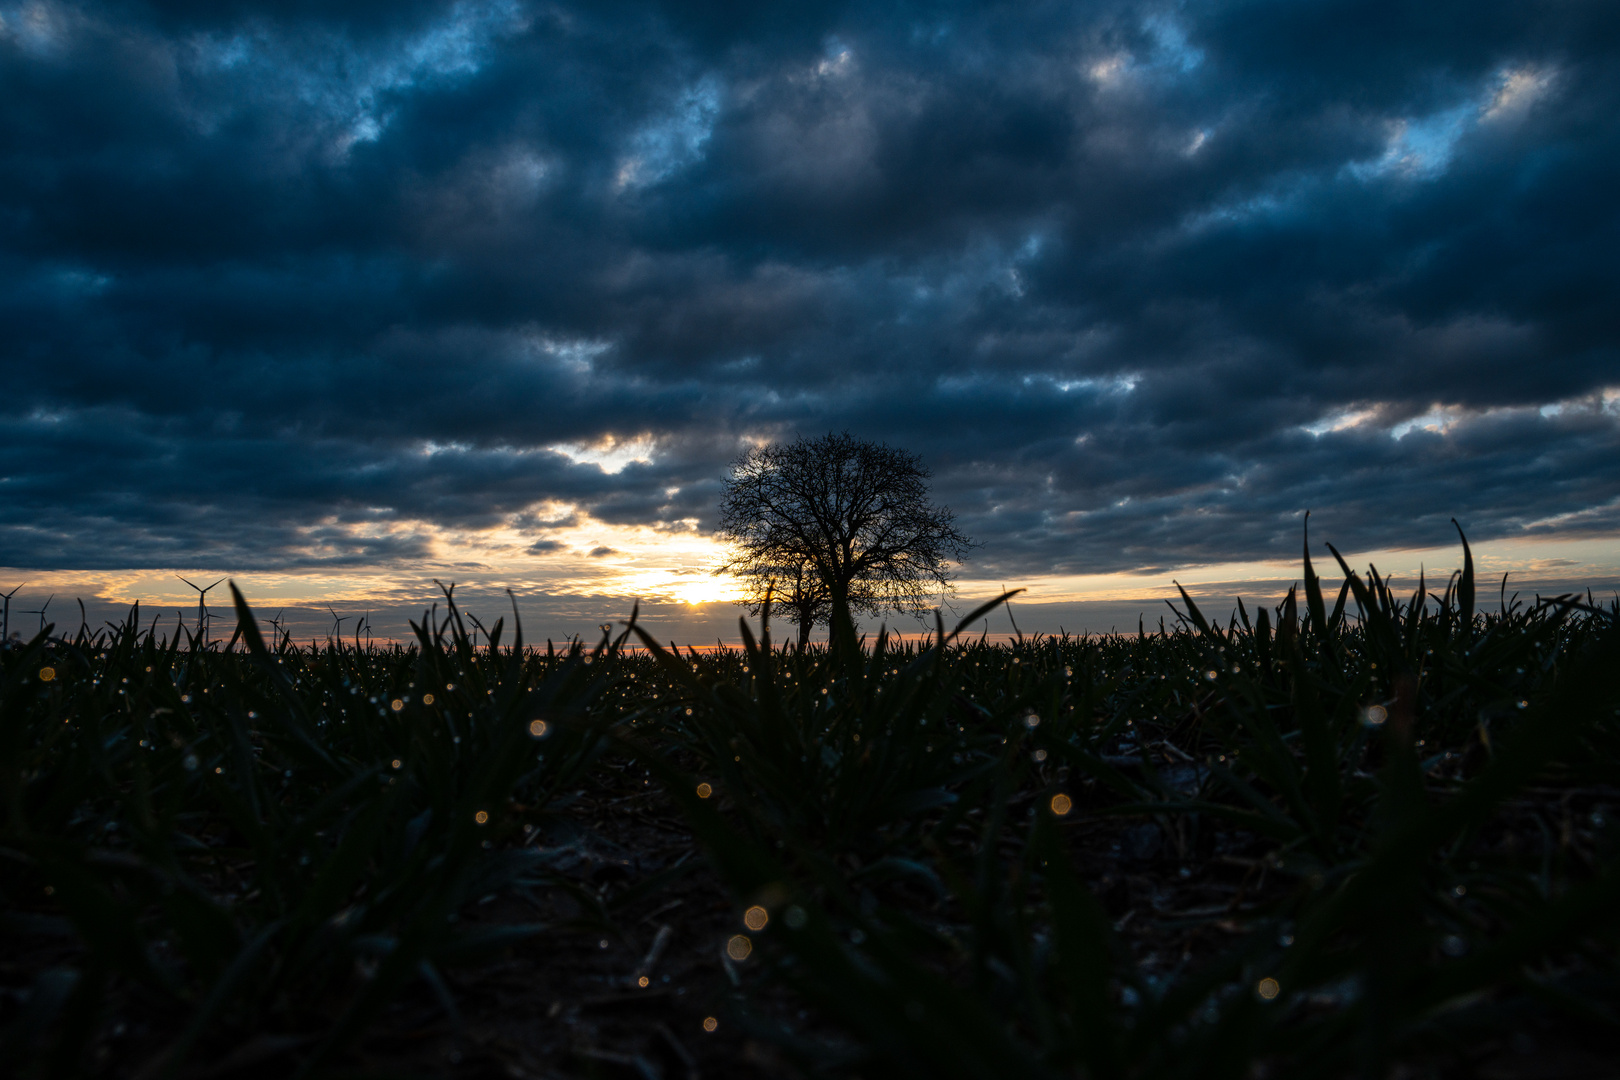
pixel 833 522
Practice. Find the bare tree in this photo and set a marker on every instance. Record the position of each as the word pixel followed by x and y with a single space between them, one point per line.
pixel 833 522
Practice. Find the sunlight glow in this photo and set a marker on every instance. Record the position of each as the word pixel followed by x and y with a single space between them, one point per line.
pixel 1439 419
pixel 1517 91
pixel 1340 420
pixel 612 454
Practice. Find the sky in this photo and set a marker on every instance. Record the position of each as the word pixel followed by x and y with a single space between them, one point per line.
pixel 342 299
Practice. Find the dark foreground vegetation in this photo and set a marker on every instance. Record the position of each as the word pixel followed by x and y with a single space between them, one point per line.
pixel 1367 838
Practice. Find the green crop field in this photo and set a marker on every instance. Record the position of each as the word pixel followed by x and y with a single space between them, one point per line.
pixel 1361 834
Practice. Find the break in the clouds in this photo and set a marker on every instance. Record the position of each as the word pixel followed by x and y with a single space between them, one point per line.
pixel 301 285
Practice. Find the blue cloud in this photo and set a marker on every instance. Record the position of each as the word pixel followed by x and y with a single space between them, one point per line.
pixel 1140 282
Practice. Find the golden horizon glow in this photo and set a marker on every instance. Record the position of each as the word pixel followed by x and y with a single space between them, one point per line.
pixel 1580 558
pixel 580 557
pixel 672 563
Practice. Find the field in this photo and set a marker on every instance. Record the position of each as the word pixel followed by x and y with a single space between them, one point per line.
pixel 1362 834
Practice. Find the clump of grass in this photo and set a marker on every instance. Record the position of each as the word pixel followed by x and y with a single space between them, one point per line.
pixel 1313 841
pixel 269 840
pixel 1365 768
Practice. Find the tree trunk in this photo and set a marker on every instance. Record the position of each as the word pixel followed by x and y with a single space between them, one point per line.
pixel 841 624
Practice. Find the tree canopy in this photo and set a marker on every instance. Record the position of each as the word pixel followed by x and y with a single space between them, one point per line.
pixel 836 521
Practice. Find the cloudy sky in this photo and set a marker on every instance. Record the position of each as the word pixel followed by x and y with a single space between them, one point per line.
pixel 339 298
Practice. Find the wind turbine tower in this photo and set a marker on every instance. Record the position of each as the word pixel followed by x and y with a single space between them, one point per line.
pixel 5 624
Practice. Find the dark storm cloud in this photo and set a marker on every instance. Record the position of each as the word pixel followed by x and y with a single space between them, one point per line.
pixel 293 284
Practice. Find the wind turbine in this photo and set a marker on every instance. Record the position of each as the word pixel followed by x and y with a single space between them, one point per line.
pixel 5 633
pixel 202 609
pixel 337 623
